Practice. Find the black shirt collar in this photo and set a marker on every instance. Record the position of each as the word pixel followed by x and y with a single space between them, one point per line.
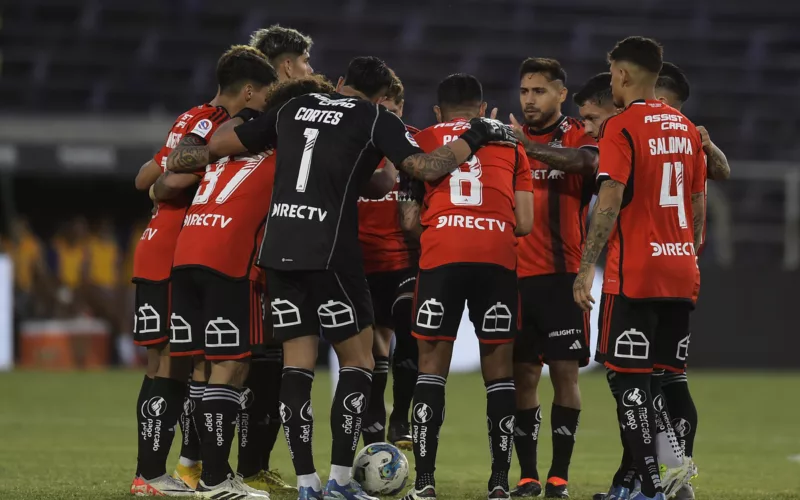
pixel 548 130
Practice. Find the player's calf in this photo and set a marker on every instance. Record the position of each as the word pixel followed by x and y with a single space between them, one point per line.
pixel 528 422
pixel 564 419
pixel 374 430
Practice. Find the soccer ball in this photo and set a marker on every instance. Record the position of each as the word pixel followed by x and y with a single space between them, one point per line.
pixel 381 469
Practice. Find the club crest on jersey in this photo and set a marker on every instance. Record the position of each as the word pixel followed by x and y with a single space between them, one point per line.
pixel 555 143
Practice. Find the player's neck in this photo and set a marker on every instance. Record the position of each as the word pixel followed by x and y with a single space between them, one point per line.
pixel 552 121
pixel 640 93
pixel 228 103
pixel 349 91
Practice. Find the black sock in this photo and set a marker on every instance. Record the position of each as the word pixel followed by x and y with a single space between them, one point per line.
pixel 350 403
pixel 141 421
pixel 298 417
pixel 160 413
pixel 190 442
pixel 404 361
pixel 526 441
pixel 426 421
pixel 638 421
pixel 219 409
pixel 252 420
pixel 564 422
pixel 667 447
pixel 501 405
pixel 626 473
pixel 374 430
pixel 681 406
pixel 272 381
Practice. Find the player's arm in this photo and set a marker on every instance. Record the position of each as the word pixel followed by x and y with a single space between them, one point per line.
pixel 190 155
pixel 410 196
pixel 582 160
pixel 391 137
pixel 170 185
pixel 148 173
pixel 616 159
pixel 381 182
pixel 698 217
pixel 718 167
pixel 242 134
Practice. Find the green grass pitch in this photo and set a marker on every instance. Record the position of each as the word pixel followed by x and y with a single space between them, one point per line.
pixel 71 436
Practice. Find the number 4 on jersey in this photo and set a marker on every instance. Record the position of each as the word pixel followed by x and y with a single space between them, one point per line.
pixel 673 200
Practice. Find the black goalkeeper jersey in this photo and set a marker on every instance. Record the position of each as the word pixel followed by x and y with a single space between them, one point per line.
pixel 328 146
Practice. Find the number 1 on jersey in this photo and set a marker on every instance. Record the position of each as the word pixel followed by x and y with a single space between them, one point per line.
pixel 305 162
pixel 676 200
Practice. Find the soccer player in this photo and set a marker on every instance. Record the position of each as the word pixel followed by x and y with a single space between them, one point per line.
pixel 595 103
pixel 330 147
pixel 554 329
pixel 287 50
pixel 242 75
pixel 651 273
pixel 468 253
pixel 390 262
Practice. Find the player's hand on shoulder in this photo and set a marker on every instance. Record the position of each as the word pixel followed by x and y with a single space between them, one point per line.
pixel 704 136
pixel 494 132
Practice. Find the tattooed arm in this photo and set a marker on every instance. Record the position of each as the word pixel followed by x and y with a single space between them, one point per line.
pixel 698 218
pixel 440 162
pixel 718 167
pixel 170 185
pixel 190 155
pixel 409 219
pixel 571 160
pixel 607 207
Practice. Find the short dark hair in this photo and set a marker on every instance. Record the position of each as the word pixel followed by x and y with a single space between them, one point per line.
pixel 369 75
pixel 644 52
pixel 550 68
pixel 396 92
pixel 277 40
pixel 280 93
pixel 242 64
pixel 458 90
pixel 597 89
pixel 672 78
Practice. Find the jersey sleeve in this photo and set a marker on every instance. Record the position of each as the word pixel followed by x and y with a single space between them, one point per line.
pixel 390 136
pixel 260 133
pixel 204 125
pixel 523 180
pixel 616 154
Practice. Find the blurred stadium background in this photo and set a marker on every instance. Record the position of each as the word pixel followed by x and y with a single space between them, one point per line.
pixel 89 89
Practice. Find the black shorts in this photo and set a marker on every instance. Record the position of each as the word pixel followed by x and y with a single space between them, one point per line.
pixel 554 328
pixel 637 336
pixel 334 304
pixel 489 291
pixel 386 288
pixel 214 315
pixel 151 316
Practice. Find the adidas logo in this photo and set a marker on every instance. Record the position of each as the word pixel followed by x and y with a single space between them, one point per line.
pixel 376 427
pixel 575 345
pixel 563 431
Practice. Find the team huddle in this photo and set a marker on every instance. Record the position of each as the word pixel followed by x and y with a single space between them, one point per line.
pixel 288 208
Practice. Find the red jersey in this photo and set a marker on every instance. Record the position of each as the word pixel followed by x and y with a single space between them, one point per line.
pixel 658 154
pixel 152 260
pixel 468 215
pixel 224 225
pixel 560 205
pixel 383 242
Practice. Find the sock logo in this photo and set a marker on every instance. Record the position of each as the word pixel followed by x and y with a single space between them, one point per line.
pixel 423 413
pixel 507 425
pixel 682 427
pixel 286 413
pixel 306 413
pixel 634 397
pixel 658 403
pixel 539 415
pixel 246 398
pixel 188 406
pixel 354 403
pixel 157 406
